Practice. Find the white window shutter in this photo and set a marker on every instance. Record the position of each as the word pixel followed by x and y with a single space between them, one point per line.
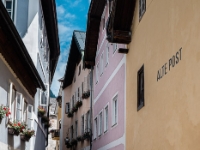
pixel 10 96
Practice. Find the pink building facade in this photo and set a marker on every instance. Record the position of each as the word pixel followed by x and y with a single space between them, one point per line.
pixel 108 88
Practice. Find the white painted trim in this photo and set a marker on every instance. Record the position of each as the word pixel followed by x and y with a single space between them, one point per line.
pixel 125 119
pixel 113 144
pixel 112 110
pixel 98 51
pixel 104 122
pixel 110 79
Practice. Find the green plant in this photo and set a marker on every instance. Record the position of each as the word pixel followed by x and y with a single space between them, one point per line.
pixel 41 111
pixel 28 132
pixel 47 124
pixel 73 142
pixel 17 126
pixel 79 104
pixel 70 114
pixel 4 111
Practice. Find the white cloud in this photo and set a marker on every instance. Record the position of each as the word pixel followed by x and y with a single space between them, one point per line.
pixel 60 10
pixel 65 29
pixel 70 16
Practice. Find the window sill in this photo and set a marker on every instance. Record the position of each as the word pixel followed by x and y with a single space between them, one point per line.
pixel 114 124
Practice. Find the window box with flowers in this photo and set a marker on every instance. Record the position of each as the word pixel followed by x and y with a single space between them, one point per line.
pixel 85 95
pixel 70 114
pixel 80 138
pixel 86 135
pixel 26 134
pixel 74 109
pixel 4 112
pixel 79 104
pixel 14 128
pixel 41 111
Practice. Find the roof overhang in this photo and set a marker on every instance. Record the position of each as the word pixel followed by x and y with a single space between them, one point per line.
pixel 94 18
pixel 50 17
pixel 118 26
pixel 120 20
pixel 74 58
pixel 16 55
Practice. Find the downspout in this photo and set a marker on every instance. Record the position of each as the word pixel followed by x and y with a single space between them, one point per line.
pixel 91 113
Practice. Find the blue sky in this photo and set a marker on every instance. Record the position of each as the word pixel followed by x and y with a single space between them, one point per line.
pixel 71 15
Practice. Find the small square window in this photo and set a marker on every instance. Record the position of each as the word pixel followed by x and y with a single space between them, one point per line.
pixel 140 88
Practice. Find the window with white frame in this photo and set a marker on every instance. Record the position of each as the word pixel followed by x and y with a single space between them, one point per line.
pixel 12 101
pixel 76 129
pixel 25 111
pixel 43 96
pixel 82 124
pixel 100 124
pixel 114 47
pixel 19 107
pixel 97 73
pixel 115 110
pixel 29 116
pixel 95 128
pixel 101 64
pixel 67 108
pixel 9 5
pixel 88 120
pixel 107 56
pixel 106 119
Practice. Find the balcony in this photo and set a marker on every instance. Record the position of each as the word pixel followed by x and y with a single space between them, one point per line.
pixel 55 134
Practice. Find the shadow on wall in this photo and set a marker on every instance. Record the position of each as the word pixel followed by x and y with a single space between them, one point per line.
pixel 39 140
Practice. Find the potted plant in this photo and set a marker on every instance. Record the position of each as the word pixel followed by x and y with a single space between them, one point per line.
pixel 70 114
pixel 14 128
pixel 41 111
pixel 26 134
pixel 80 138
pixel 86 135
pixel 79 104
pixel 73 142
pixel 4 112
pixel 75 109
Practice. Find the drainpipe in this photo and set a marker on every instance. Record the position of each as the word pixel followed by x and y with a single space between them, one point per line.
pixel 91 96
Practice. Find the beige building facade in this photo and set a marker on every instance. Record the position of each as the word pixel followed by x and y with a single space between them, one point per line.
pixel 75 116
pixel 162 78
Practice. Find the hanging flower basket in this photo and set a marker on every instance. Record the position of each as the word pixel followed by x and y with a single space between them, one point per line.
pixel 74 142
pixel 41 111
pixel 85 95
pixel 79 104
pixel 26 134
pixel 70 114
pixel 74 109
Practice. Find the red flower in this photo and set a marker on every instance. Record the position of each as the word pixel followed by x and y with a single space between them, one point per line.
pixel 19 123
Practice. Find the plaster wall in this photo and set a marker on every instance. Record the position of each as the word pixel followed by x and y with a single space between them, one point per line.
pixel 68 92
pixel 170 118
pixel 110 83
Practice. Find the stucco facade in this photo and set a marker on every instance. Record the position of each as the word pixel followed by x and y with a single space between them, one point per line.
pixel 109 85
pixel 68 94
pixel 166 42
pixel 29 21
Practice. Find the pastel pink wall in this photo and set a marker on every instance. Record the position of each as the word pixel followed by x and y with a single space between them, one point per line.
pixel 110 83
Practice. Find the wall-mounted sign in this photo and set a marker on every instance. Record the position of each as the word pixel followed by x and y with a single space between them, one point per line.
pixel 173 61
